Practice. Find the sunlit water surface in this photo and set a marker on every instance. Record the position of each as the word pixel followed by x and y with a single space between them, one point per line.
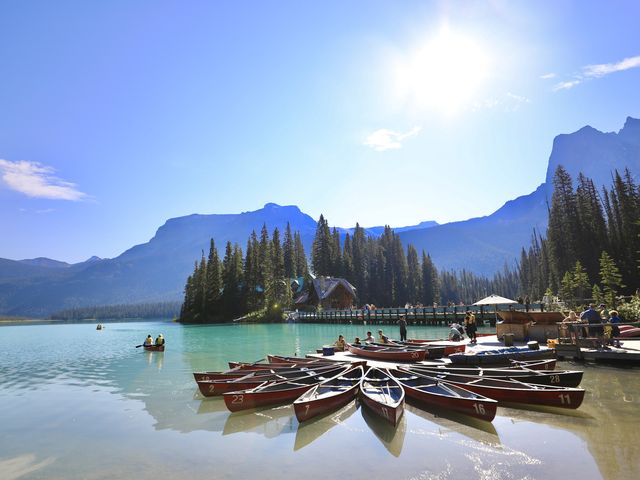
pixel 80 403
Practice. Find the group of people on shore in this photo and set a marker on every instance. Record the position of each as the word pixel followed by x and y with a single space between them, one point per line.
pixel 149 341
pixel 601 323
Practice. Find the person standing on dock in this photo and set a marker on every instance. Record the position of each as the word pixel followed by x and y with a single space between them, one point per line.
pixel 470 326
pixel 402 323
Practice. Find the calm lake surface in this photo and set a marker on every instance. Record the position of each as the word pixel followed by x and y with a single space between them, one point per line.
pixel 77 403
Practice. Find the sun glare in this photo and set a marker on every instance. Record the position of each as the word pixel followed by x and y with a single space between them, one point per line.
pixel 444 73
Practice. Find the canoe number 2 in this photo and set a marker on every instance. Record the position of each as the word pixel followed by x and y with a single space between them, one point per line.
pixel 211 388
pixel 479 408
pixel 237 399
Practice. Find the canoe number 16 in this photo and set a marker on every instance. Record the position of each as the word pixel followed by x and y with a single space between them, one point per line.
pixel 479 408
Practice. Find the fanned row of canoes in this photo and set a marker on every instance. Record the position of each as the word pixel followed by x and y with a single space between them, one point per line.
pixel 317 387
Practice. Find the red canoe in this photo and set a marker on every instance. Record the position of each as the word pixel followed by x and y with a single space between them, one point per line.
pixel 388 354
pixel 212 388
pixel 432 392
pixel 329 395
pixel 154 348
pixel 276 393
pixel 556 378
pixel 383 394
pixel 513 391
pixel 241 372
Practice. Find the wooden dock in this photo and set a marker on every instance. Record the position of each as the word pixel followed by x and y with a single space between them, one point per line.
pixel 627 353
pixel 438 316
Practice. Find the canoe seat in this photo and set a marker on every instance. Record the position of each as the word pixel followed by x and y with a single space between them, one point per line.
pixel 386 379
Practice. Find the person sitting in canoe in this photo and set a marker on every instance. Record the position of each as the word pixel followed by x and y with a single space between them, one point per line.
pixel 382 338
pixel 369 338
pixel 160 340
pixel 340 344
pixel 148 340
pixel 357 341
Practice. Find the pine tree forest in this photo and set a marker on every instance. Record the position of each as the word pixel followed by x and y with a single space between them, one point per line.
pixel 383 272
pixel 590 252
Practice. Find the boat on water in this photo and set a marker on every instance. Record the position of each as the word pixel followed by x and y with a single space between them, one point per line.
pixel 449 346
pixel 513 391
pixel 99 326
pixel 329 395
pixel 558 378
pixel 387 354
pixel 432 351
pixel 296 360
pixel 501 356
pixel 276 393
pixel 154 348
pixel 383 395
pixel 212 388
pixel 435 393
pixel 239 372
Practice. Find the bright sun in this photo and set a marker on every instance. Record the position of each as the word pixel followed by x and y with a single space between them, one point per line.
pixel 444 73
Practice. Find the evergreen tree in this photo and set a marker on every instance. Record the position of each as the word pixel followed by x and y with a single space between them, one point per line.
pixel 610 278
pixel 213 284
pixel 289 254
pixel 251 275
pixel 430 282
pixel 322 253
pixel 414 276
pixel 265 267
pixel 302 269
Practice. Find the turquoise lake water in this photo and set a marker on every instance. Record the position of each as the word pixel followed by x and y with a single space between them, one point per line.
pixel 77 403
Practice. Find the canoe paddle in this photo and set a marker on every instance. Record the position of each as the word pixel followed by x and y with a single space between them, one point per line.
pixel 138 346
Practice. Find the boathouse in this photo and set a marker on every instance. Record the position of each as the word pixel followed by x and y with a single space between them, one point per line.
pixel 328 293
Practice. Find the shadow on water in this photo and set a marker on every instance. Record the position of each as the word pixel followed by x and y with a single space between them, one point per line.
pixel 313 429
pixel 474 428
pixel 391 437
pixel 269 422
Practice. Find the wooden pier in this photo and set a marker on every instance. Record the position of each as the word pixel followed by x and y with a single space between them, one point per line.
pixel 437 316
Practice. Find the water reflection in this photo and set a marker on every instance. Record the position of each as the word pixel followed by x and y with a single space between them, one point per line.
pixel 391 437
pixel 448 422
pixel 270 422
pixel 313 429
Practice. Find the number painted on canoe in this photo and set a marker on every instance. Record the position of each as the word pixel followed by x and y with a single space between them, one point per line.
pixel 306 409
pixel 237 399
pixel 384 411
pixel 479 408
pixel 212 387
pixel 415 355
pixel 555 379
pixel 565 399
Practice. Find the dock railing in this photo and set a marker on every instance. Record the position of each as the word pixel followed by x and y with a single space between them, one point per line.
pixel 438 315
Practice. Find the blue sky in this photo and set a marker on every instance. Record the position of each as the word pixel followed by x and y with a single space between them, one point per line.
pixel 119 115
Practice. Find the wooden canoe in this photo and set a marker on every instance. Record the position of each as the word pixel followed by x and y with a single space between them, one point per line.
pixel 381 393
pixel 388 354
pixel 449 347
pixel 239 372
pixel 432 351
pixel 557 378
pixel 212 388
pixel 296 360
pixel 546 364
pixel 329 395
pixel 513 391
pixel 276 393
pixel 154 348
pixel 435 393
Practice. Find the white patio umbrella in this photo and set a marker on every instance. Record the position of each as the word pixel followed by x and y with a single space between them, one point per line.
pixel 494 300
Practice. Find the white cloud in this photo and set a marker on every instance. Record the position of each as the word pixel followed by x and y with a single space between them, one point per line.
pixel 36 180
pixel 566 85
pixel 603 69
pixel 547 76
pixel 508 102
pixel 384 139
